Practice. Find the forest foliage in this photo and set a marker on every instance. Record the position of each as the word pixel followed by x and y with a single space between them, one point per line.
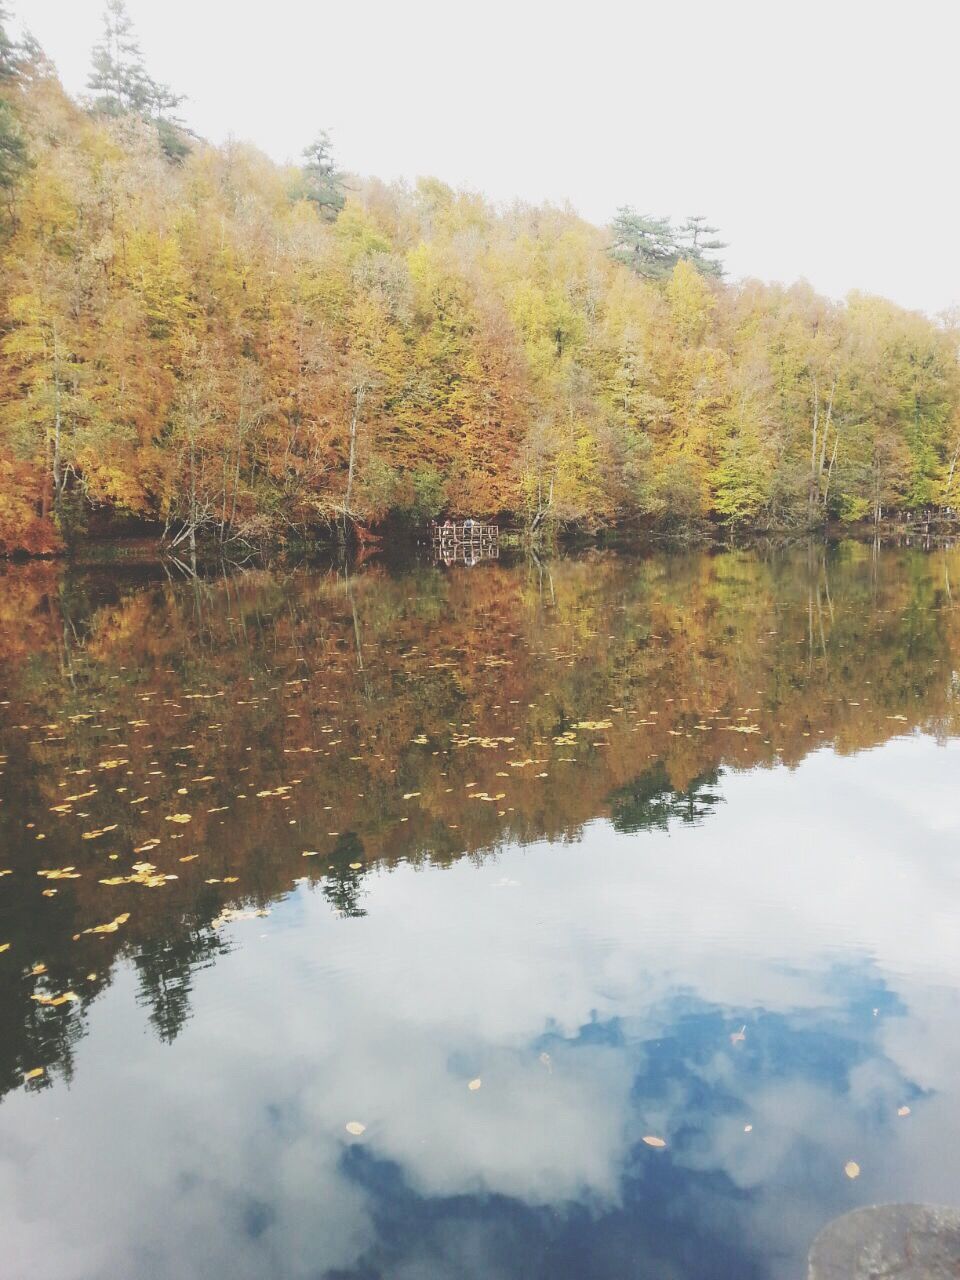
pixel 198 337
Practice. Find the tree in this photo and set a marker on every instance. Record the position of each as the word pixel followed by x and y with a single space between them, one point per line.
pixel 118 78
pixel 8 50
pixel 120 83
pixel 652 247
pixel 322 180
pixel 13 150
pixel 695 237
pixel 648 246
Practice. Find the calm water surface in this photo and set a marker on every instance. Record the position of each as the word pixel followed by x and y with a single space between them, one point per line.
pixel 638 848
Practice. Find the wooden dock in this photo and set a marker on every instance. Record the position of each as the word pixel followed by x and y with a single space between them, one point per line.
pixel 466 540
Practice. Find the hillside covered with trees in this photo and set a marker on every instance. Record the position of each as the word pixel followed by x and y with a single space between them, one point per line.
pixel 199 338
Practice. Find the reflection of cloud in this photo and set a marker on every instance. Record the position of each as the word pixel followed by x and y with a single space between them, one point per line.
pixel 805 896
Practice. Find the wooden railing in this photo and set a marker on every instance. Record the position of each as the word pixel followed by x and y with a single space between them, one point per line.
pixel 465 533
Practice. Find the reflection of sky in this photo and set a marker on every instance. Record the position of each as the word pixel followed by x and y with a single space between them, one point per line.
pixel 816 908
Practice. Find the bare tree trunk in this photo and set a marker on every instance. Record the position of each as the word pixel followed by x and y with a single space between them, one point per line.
pixel 56 469
pixel 824 434
pixel 359 395
pixel 814 439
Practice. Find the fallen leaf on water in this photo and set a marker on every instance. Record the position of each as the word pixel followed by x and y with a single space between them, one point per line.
pixel 56 1000
pixel 410 795
pixel 311 853
pixel 654 1142
pixel 112 926
pixel 38 968
pixel 178 817
pixel 852 1169
pixel 903 1111
pixel 355 1127
pixel 355 866
pixel 34 1074
pixel 4 946
pixel 144 873
pixel 474 1085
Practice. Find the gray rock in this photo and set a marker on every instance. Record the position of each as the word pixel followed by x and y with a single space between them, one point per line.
pixel 889 1242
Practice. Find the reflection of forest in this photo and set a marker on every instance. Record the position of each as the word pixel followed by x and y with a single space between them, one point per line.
pixel 218 730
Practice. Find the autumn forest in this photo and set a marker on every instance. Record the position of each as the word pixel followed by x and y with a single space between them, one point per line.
pixel 204 343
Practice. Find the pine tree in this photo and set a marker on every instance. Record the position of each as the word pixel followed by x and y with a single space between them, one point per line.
pixel 120 83
pixel 13 151
pixel 118 79
pixel 8 50
pixel 323 181
pixel 648 246
pixel 694 236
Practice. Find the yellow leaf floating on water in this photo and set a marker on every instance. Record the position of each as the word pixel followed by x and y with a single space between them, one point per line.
pixel 903 1111
pixel 652 1141
pixel 410 795
pixel 852 1169
pixel 144 873
pixel 178 817
pixel 4 946
pixel 474 1085
pixel 56 1001
pixel 112 926
pixel 35 1074
pixel 60 873
pixel 355 866
pixel 38 969
pixel 355 1127
pixel 595 724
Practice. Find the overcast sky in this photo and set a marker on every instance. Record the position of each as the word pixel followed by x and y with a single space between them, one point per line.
pixel 820 137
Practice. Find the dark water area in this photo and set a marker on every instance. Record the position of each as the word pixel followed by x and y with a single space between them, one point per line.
pixel 593 918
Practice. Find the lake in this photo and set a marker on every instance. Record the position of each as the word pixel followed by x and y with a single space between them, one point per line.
pixel 594 917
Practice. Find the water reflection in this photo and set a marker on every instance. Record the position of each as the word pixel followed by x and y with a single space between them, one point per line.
pixel 649 935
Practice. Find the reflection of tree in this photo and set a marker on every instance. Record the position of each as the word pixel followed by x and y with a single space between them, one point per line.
pixel 341 887
pixel 165 967
pixel 652 803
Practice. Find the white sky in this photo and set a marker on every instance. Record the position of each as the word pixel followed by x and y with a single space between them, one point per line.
pixel 819 136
